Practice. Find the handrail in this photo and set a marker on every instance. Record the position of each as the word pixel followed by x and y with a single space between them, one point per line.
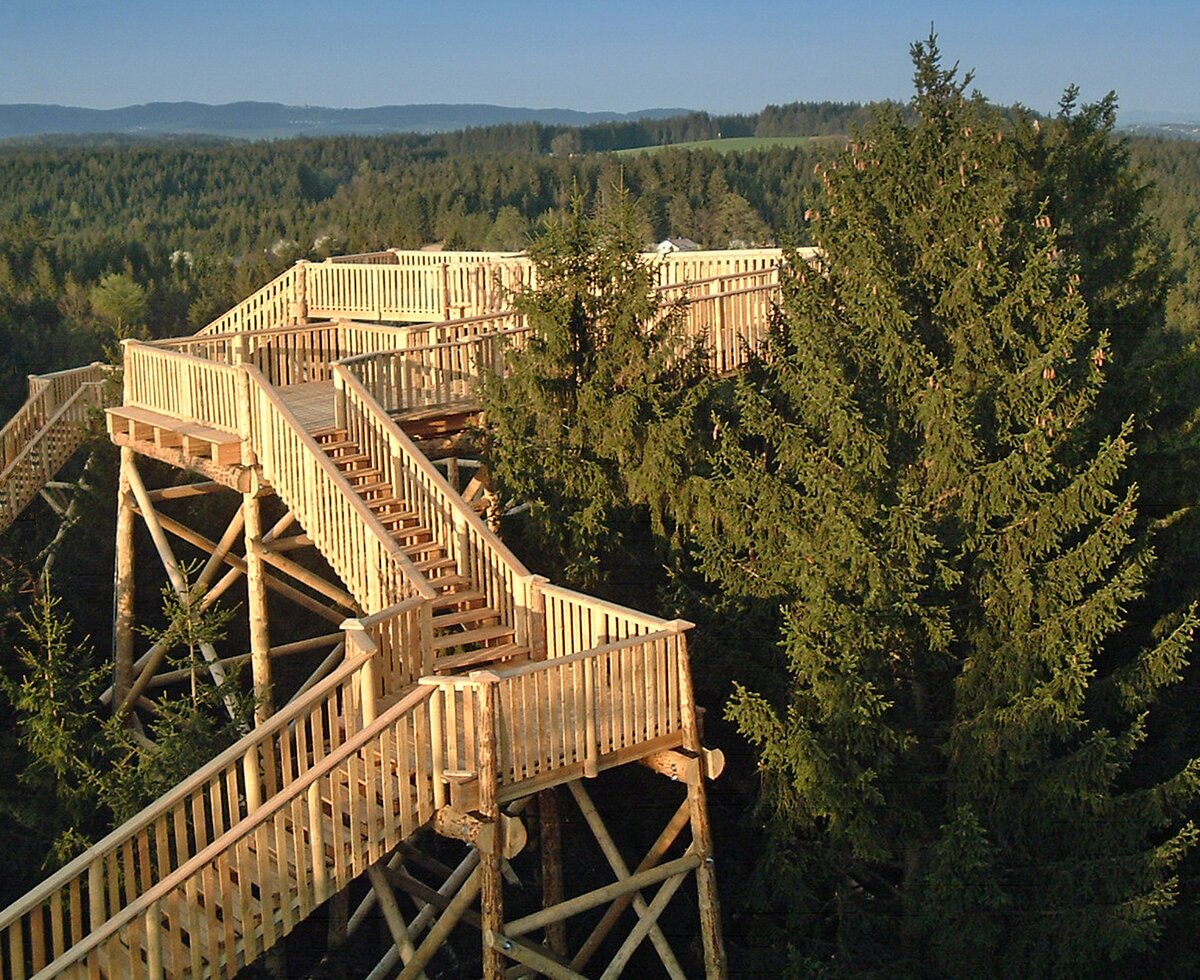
pixel 480 555
pixel 374 567
pixel 182 385
pixel 46 393
pixel 267 307
pixel 431 375
pixel 53 444
pixel 579 712
pixel 146 847
pixel 576 621
pixel 299 810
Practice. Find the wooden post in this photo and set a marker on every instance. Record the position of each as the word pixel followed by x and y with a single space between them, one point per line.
pixel 445 291
pixel 538 642
pixel 552 867
pixel 300 303
pixel 490 845
pixel 123 584
pixel 715 967
pixel 256 588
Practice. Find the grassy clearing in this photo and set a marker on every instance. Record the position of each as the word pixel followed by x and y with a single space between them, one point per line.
pixel 736 144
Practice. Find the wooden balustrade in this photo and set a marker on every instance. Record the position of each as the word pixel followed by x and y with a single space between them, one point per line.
pixel 402 635
pixel 182 385
pixel 149 847
pixel 572 715
pixel 576 622
pixel 271 306
pixel 46 450
pixel 47 393
pixel 357 546
pixel 480 555
pixel 272 868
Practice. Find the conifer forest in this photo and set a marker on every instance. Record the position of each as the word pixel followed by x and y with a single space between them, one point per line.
pixel 940 534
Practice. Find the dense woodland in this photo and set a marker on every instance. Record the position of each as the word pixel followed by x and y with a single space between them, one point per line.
pixel 934 638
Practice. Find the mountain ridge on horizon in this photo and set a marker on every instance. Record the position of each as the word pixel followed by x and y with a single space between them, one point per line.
pixel 250 119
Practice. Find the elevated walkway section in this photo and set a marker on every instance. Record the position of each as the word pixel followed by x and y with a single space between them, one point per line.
pixel 468 685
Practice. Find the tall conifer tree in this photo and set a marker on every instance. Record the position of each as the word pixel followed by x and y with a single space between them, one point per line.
pixel 916 467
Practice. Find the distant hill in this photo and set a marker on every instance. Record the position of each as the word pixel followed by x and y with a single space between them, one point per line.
pixel 271 120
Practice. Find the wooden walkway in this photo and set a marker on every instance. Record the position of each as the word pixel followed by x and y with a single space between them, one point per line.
pixel 462 686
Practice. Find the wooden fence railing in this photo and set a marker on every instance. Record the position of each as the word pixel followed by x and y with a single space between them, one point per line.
pixel 357 546
pixel 292 355
pixel 271 306
pixel 577 622
pixel 273 867
pixel 32 457
pixel 412 286
pixel 479 555
pixel 189 388
pixel 47 393
pixel 570 715
pixel 146 849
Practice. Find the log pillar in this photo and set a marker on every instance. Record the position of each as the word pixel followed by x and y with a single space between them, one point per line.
pixel 552 867
pixel 490 844
pixel 256 588
pixel 123 584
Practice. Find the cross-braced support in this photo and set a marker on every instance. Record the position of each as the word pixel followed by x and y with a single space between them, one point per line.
pixel 265 566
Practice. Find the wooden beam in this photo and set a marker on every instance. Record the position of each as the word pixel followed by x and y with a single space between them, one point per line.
pixel 123 582
pixel 529 955
pixel 392 915
pixel 443 927
pixel 550 831
pixel 600 896
pixel 670 833
pixel 621 870
pixel 185 489
pixel 256 597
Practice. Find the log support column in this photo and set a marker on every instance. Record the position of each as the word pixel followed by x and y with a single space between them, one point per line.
pixel 256 606
pixel 123 583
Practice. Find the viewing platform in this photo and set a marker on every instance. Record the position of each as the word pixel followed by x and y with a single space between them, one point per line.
pixel 447 690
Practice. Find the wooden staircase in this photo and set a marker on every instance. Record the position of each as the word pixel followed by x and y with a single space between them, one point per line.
pixel 467 632
pixel 467 683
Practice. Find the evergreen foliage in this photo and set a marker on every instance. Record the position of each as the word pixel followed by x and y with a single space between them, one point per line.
pixel 581 427
pixel 916 465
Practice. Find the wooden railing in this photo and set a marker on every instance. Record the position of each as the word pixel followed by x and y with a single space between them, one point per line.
pixel 272 868
pixel 438 375
pixel 271 306
pixel 413 286
pixel 47 393
pixel 357 546
pixel 577 622
pixel 32 457
pixel 146 849
pixel 402 634
pixel 186 387
pixel 480 556
pixel 295 354
pixel 568 716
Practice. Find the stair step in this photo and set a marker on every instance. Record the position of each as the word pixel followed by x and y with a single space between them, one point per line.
pixel 483 634
pixel 505 653
pixel 452 583
pixel 448 599
pixel 439 564
pixel 463 616
pixel 429 547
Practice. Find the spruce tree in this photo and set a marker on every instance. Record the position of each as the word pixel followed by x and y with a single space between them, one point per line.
pixel 916 466
pixel 587 424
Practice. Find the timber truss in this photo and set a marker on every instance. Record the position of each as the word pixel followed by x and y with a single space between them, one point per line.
pixel 413 682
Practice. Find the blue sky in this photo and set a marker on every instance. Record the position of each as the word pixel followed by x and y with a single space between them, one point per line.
pixel 616 55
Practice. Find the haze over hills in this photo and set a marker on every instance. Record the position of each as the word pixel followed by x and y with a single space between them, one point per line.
pixel 272 120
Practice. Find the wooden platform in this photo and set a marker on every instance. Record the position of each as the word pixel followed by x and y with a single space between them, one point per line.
pixel 311 403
